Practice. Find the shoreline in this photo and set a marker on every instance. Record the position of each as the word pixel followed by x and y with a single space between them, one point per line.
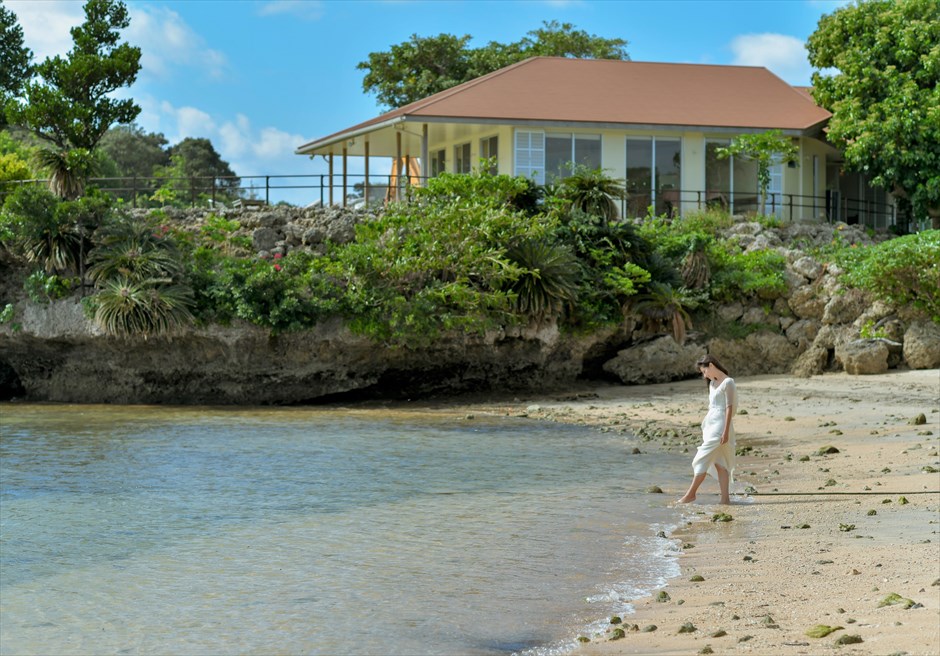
pixel 823 539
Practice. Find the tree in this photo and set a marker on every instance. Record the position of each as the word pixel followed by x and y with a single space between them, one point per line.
pixel 16 58
pixel 135 152
pixel 71 104
pixel 765 149
pixel 423 66
pixel 884 94
pixel 201 160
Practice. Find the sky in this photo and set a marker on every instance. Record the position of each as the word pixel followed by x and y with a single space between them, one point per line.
pixel 261 77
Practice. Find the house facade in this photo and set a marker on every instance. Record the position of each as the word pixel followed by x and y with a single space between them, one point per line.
pixel 657 127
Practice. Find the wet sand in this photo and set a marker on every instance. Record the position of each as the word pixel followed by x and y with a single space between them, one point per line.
pixel 821 539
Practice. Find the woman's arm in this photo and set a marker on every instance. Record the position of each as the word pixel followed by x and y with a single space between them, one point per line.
pixel 731 400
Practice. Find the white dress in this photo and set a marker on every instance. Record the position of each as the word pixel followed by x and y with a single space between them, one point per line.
pixel 712 451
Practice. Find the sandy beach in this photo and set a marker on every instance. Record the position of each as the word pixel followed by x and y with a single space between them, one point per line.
pixel 836 521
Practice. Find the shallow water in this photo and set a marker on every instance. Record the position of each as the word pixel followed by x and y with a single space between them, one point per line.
pixel 152 530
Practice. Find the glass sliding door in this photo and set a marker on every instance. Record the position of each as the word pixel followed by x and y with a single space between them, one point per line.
pixel 558 156
pixel 717 176
pixel 654 175
pixel 639 175
pixel 666 183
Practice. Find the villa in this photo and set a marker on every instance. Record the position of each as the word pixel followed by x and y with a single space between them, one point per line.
pixel 655 126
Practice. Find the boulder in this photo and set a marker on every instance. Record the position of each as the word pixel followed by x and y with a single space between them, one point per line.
pixel 757 315
pixel 730 311
pixel 922 345
pixel 806 303
pixel 863 356
pixel 811 362
pixel 264 239
pixel 829 336
pixel 808 268
pixel 803 332
pixel 759 353
pixel 657 361
pixel 846 307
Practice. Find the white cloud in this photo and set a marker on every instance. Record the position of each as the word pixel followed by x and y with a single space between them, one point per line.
pixel 784 55
pixel 46 25
pixel 167 43
pixel 304 9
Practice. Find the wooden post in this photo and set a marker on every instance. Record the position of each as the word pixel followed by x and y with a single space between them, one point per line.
pixel 397 167
pixel 425 170
pixel 344 176
pixel 331 179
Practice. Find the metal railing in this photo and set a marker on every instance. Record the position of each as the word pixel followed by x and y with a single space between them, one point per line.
pixel 325 189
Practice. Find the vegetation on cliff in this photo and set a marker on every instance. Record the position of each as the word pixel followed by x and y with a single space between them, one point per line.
pixel 470 253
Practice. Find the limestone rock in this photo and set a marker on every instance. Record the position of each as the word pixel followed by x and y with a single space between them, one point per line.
pixel 806 303
pixel 863 356
pixel 803 332
pixel 756 315
pixel 657 361
pixel 730 311
pixel 759 353
pixel 846 307
pixel 811 362
pixel 922 345
pixel 264 239
pixel 829 336
pixel 808 268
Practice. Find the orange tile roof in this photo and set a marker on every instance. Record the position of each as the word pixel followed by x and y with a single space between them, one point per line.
pixel 557 89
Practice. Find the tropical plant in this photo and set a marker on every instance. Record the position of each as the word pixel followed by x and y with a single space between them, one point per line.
pixel 695 269
pixel 593 192
pixel 139 274
pixel 68 170
pixel 125 307
pixel 548 278
pixel 39 232
pixel 666 307
pixel 904 271
pixel 766 149
pixel 134 250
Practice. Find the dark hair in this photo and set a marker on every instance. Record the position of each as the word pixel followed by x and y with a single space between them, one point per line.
pixel 706 360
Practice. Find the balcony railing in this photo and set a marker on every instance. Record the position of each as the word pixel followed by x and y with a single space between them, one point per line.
pixel 355 190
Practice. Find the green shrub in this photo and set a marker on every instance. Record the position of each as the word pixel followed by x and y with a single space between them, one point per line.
pixel 754 273
pixel 904 271
pixel 548 278
pixel 38 232
pixel 42 287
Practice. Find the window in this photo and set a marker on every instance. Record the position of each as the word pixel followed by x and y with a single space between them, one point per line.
pixel 530 156
pixel 564 152
pixel 554 155
pixel 654 174
pixel 438 162
pixel 462 158
pixel 489 148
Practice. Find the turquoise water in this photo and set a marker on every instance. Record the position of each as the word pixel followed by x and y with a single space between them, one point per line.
pixel 152 530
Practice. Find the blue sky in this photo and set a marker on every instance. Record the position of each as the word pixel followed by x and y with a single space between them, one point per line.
pixel 259 78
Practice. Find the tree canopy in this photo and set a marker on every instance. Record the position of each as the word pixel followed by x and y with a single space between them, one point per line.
pixel 423 66
pixel 16 58
pixel 70 103
pixel 884 94
pixel 135 153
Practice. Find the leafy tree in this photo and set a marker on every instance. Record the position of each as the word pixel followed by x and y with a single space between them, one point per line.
pixel 201 160
pixel 135 152
pixel 765 149
pixel 422 66
pixel 885 93
pixel 71 103
pixel 16 58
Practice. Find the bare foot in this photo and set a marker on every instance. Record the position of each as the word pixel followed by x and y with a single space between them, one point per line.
pixel 686 499
pixel 725 502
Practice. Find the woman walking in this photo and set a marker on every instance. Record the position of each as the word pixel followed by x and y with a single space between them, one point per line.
pixel 716 454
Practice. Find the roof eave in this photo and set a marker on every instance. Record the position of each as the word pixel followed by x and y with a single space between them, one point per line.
pixel 310 147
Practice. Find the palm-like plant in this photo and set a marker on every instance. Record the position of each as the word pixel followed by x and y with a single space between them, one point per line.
pixel 695 270
pixel 68 170
pixel 135 250
pixel 139 274
pixel 593 192
pixel 664 307
pixel 40 232
pixel 150 307
pixel 549 278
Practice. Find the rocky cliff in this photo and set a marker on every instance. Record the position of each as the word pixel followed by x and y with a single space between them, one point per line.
pixel 53 353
